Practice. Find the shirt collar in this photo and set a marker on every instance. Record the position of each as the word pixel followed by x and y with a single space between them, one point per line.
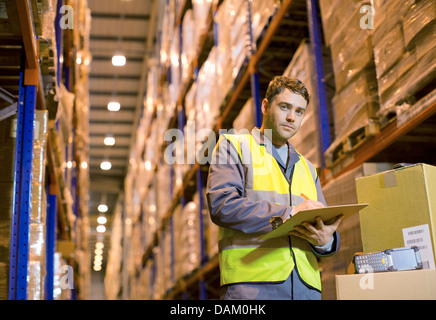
pixel 260 138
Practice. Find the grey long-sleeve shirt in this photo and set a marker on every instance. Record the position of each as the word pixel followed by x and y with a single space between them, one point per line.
pixel 225 194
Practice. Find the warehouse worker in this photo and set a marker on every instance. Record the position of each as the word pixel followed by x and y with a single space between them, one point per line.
pixel 255 177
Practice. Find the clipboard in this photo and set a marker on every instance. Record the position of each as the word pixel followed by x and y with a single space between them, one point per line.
pixel 326 213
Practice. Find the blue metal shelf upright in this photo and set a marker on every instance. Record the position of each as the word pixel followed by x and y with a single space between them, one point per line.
pixel 22 191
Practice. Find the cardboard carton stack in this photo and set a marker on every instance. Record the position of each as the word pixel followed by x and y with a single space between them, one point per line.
pixel 356 100
pixel 339 191
pixel 401 213
pixel 404 49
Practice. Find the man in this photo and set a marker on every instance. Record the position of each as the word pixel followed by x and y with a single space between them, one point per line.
pixel 255 177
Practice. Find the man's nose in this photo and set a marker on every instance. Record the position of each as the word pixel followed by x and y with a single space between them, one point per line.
pixel 290 116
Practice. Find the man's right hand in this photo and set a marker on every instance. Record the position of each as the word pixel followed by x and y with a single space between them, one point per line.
pixel 306 205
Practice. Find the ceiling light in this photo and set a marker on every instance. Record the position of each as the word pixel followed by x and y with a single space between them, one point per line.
pixel 101 229
pixel 105 165
pixel 97 268
pixel 99 245
pixel 109 140
pixel 113 106
pixel 102 208
pixel 102 219
pixel 148 165
pixel 84 165
pixel 118 60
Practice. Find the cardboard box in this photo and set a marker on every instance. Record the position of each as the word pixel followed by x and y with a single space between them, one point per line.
pixel 401 285
pixel 342 190
pixel 401 211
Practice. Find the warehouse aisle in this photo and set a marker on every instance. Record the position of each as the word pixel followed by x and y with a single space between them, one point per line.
pixel 110 111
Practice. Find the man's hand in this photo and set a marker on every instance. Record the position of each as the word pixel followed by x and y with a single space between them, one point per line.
pixel 318 234
pixel 306 205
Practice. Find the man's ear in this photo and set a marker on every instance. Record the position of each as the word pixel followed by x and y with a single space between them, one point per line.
pixel 264 106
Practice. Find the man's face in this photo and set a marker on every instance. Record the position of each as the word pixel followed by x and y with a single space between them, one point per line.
pixel 283 116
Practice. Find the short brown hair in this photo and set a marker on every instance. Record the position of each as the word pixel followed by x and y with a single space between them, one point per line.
pixel 279 83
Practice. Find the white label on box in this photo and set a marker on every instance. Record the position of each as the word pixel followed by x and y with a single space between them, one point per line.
pixel 420 236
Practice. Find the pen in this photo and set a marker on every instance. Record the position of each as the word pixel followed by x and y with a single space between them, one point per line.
pixel 304 196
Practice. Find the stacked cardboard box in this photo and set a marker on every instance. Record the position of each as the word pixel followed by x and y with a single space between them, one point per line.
pixel 340 191
pixel 401 213
pixel 399 200
pixel 404 50
pixel 356 100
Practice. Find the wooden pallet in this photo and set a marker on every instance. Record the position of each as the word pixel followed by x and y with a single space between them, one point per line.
pixel 348 144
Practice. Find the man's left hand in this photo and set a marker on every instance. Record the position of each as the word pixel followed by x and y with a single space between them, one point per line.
pixel 318 234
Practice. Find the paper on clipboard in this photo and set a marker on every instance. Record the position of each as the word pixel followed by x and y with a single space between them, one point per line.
pixel 326 213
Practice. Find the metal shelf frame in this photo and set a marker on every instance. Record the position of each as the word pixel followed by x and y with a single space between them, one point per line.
pixel 209 264
pixel 22 192
pixel 185 288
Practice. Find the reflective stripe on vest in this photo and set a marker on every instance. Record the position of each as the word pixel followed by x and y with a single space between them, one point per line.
pixel 244 258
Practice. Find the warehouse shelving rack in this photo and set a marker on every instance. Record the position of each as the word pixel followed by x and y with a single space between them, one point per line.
pixel 21 76
pixel 303 18
pixel 22 193
pixel 254 74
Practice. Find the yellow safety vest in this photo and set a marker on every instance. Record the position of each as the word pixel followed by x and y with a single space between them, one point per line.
pixel 244 258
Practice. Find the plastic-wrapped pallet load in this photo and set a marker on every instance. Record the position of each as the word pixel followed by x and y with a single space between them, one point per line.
pixel 186 239
pixel 112 280
pixel 175 67
pixel 149 216
pixel 162 191
pixel 200 10
pixel 168 23
pixel 231 20
pixel 333 13
pixel 356 103
pixel 189 44
pixel 404 49
pixel 7 158
pixel 168 262
pixel 206 103
pixel 37 223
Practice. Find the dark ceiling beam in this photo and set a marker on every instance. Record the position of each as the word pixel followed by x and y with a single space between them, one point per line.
pixel 103 108
pixel 112 15
pixel 116 38
pixel 98 135
pixel 116 93
pixel 111 76
pixel 112 122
